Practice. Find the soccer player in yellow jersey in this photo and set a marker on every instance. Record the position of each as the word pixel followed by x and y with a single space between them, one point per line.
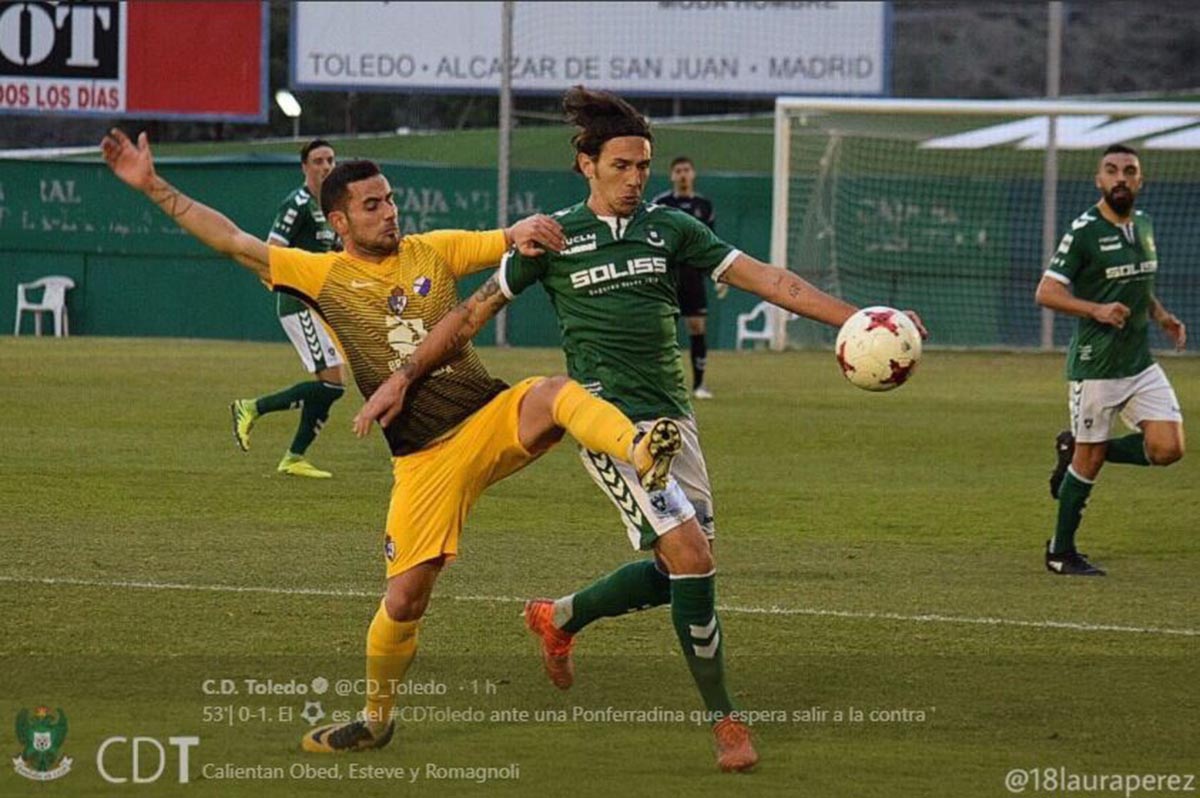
pixel 461 430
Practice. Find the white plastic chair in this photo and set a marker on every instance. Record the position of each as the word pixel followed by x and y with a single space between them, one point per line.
pixel 54 300
pixel 745 320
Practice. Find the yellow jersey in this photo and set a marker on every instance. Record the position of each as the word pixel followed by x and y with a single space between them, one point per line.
pixel 380 312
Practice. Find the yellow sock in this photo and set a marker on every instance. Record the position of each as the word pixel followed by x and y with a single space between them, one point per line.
pixel 391 646
pixel 593 422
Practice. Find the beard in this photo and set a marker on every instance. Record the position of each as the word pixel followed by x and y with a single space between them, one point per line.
pixel 1120 199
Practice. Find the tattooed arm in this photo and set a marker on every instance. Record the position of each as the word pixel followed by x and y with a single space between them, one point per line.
pixel 792 292
pixel 134 165
pixel 447 337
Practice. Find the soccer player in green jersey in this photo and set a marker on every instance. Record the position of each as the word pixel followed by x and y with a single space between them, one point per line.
pixel 1103 273
pixel 693 299
pixel 299 223
pixel 613 287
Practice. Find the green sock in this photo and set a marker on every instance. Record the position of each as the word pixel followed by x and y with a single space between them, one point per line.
pixel 694 613
pixel 1131 449
pixel 635 586
pixel 314 411
pixel 287 399
pixel 1072 498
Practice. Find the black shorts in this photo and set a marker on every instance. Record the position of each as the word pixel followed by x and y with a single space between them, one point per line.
pixel 693 299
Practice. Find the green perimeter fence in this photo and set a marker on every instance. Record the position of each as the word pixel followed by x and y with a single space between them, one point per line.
pixel 137 274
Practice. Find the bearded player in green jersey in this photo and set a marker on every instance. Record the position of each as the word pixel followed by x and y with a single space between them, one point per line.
pixel 300 223
pixel 613 287
pixel 1103 272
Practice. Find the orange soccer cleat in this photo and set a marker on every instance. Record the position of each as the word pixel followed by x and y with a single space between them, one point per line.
pixel 556 644
pixel 735 752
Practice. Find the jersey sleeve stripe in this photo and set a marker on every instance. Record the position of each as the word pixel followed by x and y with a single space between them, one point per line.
pixel 502 276
pixel 1062 278
pixel 725 263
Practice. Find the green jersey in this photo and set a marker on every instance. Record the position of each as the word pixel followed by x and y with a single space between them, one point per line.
pixel 613 288
pixel 1103 262
pixel 299 223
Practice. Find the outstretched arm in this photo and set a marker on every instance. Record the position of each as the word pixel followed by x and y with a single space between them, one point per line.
pixel 792 292
pixel 134 165
pixel 447 337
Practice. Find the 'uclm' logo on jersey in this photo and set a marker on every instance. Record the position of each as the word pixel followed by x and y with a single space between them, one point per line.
pixel 611 271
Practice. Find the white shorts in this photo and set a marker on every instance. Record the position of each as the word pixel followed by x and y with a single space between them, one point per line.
pixel 648 516
pixel 312 341
pixel 1147 396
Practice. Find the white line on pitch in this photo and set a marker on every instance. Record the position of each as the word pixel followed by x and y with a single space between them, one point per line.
pixel 864 615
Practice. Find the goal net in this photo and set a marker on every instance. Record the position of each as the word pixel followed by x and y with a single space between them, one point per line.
pixel 940 206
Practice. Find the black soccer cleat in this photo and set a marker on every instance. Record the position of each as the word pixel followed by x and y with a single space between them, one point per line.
pixel 1064 449
pixel 353 735
pixel 1071 563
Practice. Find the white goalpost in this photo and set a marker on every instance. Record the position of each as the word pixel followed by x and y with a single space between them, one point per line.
pixel 942 205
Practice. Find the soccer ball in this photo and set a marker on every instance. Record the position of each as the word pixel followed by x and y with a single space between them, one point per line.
pixel 878 348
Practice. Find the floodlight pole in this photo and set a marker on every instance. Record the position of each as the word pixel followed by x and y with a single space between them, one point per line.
pixel 1050 171
pixel 504 156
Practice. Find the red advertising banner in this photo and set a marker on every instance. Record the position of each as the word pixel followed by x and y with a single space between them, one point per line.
pixel 178 60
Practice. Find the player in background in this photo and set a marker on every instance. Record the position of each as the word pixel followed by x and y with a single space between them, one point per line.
pixel 613 287
pixel 1103 273
pixel 693 297
pixel 300 223
pixel 463 431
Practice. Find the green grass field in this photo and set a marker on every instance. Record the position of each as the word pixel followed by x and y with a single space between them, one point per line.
pixel 877 553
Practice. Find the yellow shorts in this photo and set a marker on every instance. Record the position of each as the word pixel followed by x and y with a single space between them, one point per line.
pixel 434 489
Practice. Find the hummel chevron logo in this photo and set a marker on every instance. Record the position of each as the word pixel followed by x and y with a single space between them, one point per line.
pixel 310 335
pixel 709 651
pixel 357 284
pixel 703 632
pixel 617 487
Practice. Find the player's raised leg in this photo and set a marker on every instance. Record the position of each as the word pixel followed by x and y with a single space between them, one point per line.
pixel 634 586
pixel 557 404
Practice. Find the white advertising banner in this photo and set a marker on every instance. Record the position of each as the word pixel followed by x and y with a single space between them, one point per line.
pixel 711 49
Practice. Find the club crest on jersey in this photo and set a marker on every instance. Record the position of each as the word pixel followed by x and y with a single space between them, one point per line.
pixel 422 285
pixel 398 301
pixel 654 239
